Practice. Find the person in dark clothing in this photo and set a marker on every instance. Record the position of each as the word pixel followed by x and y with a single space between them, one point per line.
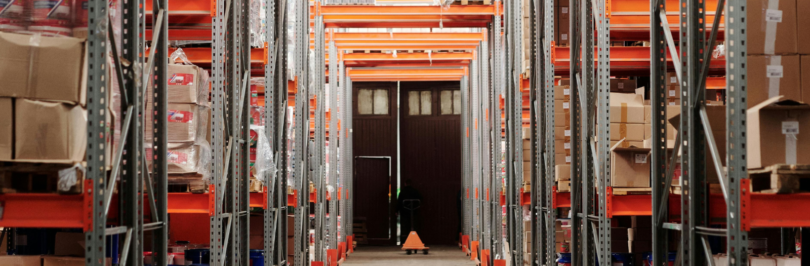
pixel 407 192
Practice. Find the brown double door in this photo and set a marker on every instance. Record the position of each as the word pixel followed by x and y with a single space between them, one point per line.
pixel 430 146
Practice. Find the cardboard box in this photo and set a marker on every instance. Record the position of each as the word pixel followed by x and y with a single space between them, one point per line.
pixel 563 186
pixel 562 133
pixel 673 92
pixel 527 132
pixel 672 79
pixel 21 260
pixel 626 108
pixel 527 144
pixel 630 167
pixel 69 244
pixel 783 72
pixel 49 132
pixel 53 70
pixel 772 129
pixel 562 92
pixel 802 7
pixel 761 18
pixel 564 30
pixel 187 123
pixel 622 85
pixel 562 146
pixel 562 172
pixel 626 131
pixel 185 84
pixel 561 158
pixel 6 128
pixel 562 118
pixel 627 143
pixel 188 158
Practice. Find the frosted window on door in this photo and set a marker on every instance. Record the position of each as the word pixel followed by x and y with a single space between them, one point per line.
pixel 364 104
pixel 380 102
pixel 425 102
pixel 413 103
pixel 446 98
pixel 457 102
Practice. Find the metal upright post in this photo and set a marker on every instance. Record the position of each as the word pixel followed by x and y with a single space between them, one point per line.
pixel 579 232
pixel 585 119
pixel 130 198
pixel 658 99
pixel 349 155
pixel 602 144
pixel 96 113
pixel 302 165
pixel 486 138
pixel 318 148
pixel 334 93
pixel 345 162
pixel 497 139
pixel 216 228
pixel 736 93
pixel 549 212
pixel 536 136
pixel 465 160
pixel 274 97
pixel 160 126
pixel 693 176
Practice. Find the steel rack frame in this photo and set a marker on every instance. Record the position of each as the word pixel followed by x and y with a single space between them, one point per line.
pixel 302 151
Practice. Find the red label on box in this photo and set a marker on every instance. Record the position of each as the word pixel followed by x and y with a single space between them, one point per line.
pixel 176 157
pixel 180 116
pixel 181 79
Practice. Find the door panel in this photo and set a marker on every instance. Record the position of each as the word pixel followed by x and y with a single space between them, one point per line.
pixel 371 177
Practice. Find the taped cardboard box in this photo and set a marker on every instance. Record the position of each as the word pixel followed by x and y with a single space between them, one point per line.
pixel 562 116
pixel 6 128
pixel 562 133
pixel 672 79
pixel 626 131
pixel 563 186
pixel 627 143
pixel 188 158
pixel 562 172
pixel 562 92
pixel 778 133
pixel 626 108
pixel 562 146
pixel 771 27
pixel 185 123
pixel 44 68
pixel 630 167
pixel 561 158
pixel 771 76
pixel 673 92
pixel 49 132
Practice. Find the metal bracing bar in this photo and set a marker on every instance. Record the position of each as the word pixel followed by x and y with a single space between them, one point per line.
pixel 714 152
pixel 224 179
pixel 149 189
pixel 227 235
pixel 117 161
pixel 125 250
pixel 708 231
pixel 707 250
pixel 119 69
pixel 151 59
pixel 676 59
pixel 115 230
pixel 664 196
pixel 153 226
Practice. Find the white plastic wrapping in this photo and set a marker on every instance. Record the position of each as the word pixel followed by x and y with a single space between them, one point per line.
pixel 257 21
pixel 719 51
pixel 264 166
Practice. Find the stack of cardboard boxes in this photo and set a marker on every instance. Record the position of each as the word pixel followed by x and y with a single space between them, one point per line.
pixel 632 234
pixel 42 104
pixel 562 137
pixel 562 23
pixel 527 159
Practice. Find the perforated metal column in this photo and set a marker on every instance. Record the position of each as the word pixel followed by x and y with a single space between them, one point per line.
pixel 130 196
pixel 96 173
pixel 548 153
pixel 658 99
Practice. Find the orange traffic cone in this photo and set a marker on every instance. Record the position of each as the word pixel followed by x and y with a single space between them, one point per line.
pixel 414 243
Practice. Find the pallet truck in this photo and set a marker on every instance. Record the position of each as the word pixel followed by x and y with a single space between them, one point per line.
pixel 413 243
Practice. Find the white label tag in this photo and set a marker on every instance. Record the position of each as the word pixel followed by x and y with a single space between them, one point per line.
pixel 566 91
pixel 567 145
pixel 773 15
pixel 640 157
pixel 565 105
pixel 564 10
pixel 673 79
pixel 621 85
pixel 775 71
pixel 672 93
pixel 564 36
pixel 568 159
pixel 567 133
pixel 790 127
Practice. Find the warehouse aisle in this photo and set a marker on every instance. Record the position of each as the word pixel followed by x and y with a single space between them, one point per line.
pixel 394 256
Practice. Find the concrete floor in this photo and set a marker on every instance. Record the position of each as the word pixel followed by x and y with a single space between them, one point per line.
pixel 394 256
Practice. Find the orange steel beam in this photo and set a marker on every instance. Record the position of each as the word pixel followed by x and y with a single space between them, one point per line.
pixel 630 19
pixel 406 16
pixel 404 41
pixel 202 55
pixel 419 74
pixel 42 210
pixel 628 60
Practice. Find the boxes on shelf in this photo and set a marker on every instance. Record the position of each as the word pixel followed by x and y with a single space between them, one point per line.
pixel 672 111
pixel 18 260
pixel 49 132
pixel 562 92
pixel 805 76
pixel 51 70
pixel 672 79
pixel 774 133
pixel 771 31
pixel 188 158
pixel 187 123
pixel 187 84
pixel 802 7
pixel 6 129
pixel 627 119
pixel 562 175
pixel 773 75
pixel 68 261
pixel 630 167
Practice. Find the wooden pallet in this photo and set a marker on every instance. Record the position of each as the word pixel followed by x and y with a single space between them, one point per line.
pixel 193 183
pixel 41 178
pixel 781 179
pixel 622 191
